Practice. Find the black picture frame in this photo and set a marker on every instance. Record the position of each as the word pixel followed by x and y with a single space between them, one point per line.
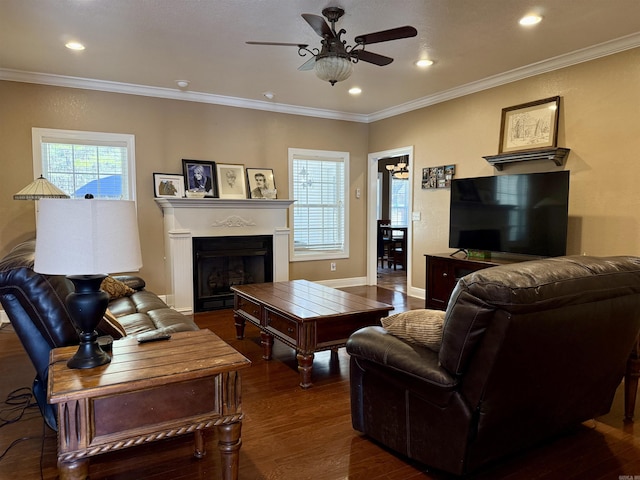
pixel 268 189
pixel 206 182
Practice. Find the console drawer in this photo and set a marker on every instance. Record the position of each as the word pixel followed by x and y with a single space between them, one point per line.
pixel 249 307
pixel 281 324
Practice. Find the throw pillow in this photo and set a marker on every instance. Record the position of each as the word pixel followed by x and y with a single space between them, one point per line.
pixel 116 288
pixel 109 325
pixel 421 326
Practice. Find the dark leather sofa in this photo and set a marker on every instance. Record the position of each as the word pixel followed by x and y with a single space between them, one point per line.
pixel 528 351
pixel 35 305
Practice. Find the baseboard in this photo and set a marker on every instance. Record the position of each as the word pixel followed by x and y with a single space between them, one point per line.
pixel 417 292
pixel 343 282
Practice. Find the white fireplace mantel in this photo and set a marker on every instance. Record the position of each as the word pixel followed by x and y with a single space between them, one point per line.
pixel 185 218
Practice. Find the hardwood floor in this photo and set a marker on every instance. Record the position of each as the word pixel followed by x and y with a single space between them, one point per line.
pixel 294 434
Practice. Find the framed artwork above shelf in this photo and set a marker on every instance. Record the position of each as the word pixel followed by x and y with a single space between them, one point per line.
pixel 556 154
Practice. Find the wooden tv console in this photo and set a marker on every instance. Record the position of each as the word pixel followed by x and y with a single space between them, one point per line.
pixel 443 272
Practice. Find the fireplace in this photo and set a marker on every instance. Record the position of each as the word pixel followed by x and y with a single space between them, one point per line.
pixel 222 262
pixel 188 221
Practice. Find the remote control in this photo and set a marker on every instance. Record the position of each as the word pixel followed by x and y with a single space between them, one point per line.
pixel 152 337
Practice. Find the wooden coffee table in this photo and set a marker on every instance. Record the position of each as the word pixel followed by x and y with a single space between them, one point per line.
pixel 148 392
pixel 307 316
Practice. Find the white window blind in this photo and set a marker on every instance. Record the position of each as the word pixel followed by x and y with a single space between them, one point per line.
pixel 318 182
pixel 399 201
pixel 79 163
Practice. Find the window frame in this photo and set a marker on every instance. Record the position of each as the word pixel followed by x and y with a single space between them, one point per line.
pixel 322 155
pixel 39 136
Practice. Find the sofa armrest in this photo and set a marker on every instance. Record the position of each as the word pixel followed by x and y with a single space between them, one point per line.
pixel 376 345
pixel 131 281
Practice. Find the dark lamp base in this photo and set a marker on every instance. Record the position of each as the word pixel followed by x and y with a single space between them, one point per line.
pixel 89 354
pixel 86 307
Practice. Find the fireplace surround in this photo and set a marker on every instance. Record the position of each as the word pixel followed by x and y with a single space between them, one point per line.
pixel 186 220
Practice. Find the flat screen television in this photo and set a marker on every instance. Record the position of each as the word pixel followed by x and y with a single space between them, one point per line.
pixel 523 214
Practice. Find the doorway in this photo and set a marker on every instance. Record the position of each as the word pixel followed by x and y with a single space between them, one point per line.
pixel 372 211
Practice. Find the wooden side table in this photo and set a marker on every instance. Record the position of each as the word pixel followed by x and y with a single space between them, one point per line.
pixel 148 392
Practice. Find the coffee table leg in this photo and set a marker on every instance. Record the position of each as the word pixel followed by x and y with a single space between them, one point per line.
pixel 305 365
pixel 229 446
pixel 199 447
pixel 267 345
pixel 74 470
pixel 239 322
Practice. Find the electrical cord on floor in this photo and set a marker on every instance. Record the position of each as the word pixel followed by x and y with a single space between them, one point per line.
pixel 17 403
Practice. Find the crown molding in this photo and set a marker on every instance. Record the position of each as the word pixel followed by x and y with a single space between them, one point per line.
pixel 173 94
pixel 555 63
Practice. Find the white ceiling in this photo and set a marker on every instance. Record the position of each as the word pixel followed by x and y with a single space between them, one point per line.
pixel 144 46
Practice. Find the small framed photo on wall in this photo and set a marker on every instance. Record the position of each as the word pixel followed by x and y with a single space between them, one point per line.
pixel 261 183
pixel 200 176
pixel 231 181
pixel 168 185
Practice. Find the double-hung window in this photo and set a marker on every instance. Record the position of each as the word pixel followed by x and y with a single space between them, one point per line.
pixel 80 163
pixel 319 182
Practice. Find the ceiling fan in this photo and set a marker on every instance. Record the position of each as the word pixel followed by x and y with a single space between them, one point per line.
pixel 333 62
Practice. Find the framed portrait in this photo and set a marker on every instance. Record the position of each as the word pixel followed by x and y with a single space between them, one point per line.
pixel 261 183
pixel 168 185
pixel 530 126
pixel 231 181
pixel 200 176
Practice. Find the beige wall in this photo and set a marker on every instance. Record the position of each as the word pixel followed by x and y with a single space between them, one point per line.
pixel 599 122
pixel 166 131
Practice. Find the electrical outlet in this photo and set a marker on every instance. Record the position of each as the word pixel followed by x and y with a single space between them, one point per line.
pixel 333 266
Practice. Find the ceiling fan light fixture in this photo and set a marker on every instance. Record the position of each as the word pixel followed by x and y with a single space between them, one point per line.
pixel 333 68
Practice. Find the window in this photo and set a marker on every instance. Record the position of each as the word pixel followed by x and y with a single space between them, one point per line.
pixel 78 163
pixel 399 201
pixel 319 183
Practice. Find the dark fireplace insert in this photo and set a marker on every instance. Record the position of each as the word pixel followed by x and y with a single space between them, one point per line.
pixel 222 262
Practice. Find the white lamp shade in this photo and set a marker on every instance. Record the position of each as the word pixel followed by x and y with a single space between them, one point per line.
pixel 87 237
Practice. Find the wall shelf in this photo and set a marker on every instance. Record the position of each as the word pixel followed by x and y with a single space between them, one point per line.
pixel 556 155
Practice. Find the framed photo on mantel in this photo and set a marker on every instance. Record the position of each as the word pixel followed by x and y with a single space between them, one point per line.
pixel 530 126
pixel 231 182
pixel 168 185
pixel 200 176
pixel 261 183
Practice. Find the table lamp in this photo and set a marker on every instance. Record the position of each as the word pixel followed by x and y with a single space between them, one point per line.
pixel 86 239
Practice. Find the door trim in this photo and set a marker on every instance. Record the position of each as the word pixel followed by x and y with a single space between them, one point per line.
pixel 372 214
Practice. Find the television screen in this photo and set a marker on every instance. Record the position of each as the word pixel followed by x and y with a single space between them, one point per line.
pixel 520 214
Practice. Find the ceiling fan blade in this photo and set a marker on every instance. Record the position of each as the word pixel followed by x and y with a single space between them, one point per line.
pixel 318 24
pixel 386 35
pixel 371 57
pixel 308 65
pixel 280 44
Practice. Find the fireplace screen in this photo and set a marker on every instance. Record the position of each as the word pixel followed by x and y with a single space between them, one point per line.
pixel 222 262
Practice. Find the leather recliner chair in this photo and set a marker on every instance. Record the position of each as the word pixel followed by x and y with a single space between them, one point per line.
pixel 528 351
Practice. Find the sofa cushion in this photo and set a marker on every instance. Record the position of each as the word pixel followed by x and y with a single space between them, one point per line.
pixel 421 326
pixel 115 288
